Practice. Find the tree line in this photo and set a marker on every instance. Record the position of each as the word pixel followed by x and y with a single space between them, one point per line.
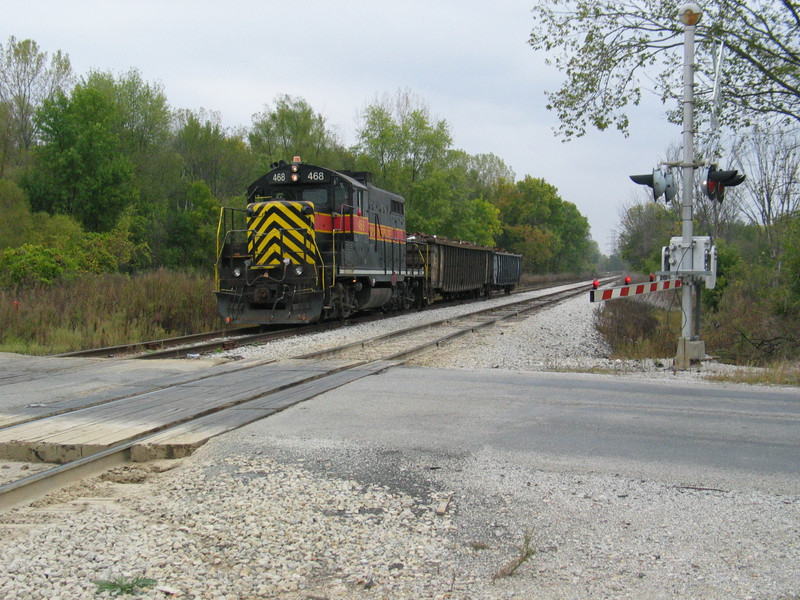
pixel 100 174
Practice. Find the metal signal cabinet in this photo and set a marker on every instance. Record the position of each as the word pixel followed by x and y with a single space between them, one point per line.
pixel 698 259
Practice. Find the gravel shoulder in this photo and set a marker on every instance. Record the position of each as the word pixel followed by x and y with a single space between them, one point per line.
pixel 261 514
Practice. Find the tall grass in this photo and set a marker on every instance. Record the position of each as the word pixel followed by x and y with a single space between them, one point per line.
pixel 637 329
pixel 106 310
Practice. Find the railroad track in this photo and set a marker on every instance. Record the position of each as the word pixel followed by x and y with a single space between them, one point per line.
pixel 188 425
pixel 228 339
pixel 404 344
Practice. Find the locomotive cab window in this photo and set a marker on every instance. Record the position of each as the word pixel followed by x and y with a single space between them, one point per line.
pixel 317 196
pixel 341 196
pixel 357 201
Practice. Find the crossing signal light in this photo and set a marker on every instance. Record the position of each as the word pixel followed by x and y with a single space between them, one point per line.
pixel 662 182
pixel 716 182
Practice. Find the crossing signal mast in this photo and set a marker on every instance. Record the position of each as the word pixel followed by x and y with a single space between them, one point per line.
pixel 688 262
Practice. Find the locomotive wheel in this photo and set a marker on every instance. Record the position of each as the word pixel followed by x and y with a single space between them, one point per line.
pixel 408 299
pixel 342 302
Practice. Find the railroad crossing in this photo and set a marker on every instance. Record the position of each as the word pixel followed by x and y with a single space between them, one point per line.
pixel 177 411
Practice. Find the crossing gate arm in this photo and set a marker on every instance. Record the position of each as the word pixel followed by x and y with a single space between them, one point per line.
pixel 633 289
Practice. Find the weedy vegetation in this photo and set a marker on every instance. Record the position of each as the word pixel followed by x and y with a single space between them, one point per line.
pixel 123 585
pixel 638 328
pixel 95 311
pixel 524 553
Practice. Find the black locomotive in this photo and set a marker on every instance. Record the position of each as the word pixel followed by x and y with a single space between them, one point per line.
pixel 315 244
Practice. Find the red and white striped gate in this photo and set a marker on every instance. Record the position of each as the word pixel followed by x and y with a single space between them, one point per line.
pixel 633 290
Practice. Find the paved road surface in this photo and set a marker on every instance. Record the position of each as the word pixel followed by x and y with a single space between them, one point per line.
pixel 691 433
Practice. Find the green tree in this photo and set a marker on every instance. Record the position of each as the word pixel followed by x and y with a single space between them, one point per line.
pixel 399 142
pixel 610 51
pixel 574 251
pixel 192 230
pixel 644 230
pixel 445 190
pixel 770 156
pixel 143 127
pixel 28 77
pixel 17 223
pixel 80 169
pixel 538 224
pixel 444 204
pixel 293 128
pixel 7 147
pixel 788 296
pixel 31 265
pixel 211 154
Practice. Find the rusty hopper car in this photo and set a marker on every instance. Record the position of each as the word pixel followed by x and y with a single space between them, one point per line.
pixel 457 269
pixel 452 269
pixel 506 271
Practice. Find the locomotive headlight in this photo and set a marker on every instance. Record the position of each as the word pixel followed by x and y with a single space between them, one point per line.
pixel 298 270
pixel 237 272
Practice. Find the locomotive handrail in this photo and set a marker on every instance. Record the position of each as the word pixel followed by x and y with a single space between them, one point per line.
pixel 379 233
pixel 219 251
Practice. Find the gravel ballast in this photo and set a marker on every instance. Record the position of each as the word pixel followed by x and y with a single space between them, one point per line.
pixel 296 517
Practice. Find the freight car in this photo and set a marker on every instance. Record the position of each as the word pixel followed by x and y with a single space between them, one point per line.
pixel 455 269
pixel 314 243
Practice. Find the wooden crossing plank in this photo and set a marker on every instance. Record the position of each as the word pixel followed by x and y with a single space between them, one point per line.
pixel 79 433
pixel 182 440
pixel 34 387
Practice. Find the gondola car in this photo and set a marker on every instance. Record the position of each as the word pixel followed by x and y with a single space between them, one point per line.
pixel 314 243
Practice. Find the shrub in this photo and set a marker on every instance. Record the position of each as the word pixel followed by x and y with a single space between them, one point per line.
pixel 31 265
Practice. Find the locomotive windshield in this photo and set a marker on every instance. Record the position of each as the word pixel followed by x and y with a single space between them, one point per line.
pixel 320 197
pixel 298 182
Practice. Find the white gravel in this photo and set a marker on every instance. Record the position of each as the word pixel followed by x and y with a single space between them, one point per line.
pixel 560 338
pixel 250 525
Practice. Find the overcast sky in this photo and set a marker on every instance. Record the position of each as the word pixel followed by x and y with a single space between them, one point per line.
pixel 468 60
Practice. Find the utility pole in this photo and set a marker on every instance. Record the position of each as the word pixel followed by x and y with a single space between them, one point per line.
pixel 690 347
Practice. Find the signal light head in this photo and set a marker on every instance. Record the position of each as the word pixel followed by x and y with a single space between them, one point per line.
pixel 627 279
pixel 716 182
pixel 595 284
pixel 662 182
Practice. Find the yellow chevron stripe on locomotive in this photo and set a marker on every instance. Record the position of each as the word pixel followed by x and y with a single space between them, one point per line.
pixel 279 230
